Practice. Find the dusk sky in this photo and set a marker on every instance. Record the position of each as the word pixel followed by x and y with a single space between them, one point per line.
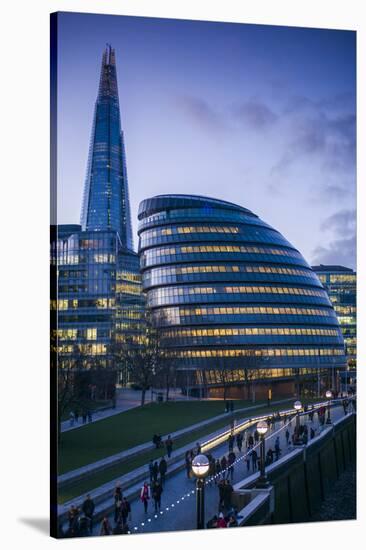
pixel 259 115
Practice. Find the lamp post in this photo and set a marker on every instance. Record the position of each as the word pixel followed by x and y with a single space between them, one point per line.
pixel 329 396
pixel 297 407
pixel 262 428
pixel 200 468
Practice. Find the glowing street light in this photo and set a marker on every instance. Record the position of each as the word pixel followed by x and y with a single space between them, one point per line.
pixel 328 395
pixel 200 469
pixel 297 407
pixel 262 428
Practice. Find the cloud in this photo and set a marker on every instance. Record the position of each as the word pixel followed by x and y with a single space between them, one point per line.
pixel 338 252
pixel 255 114
pixel 201 113
pixel 342 249
pixel 343 221
pixel 319 131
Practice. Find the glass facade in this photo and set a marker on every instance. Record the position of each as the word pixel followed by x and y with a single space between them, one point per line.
pixel 230 293
pixel 340 284
pixel 99 299
pixel 106 202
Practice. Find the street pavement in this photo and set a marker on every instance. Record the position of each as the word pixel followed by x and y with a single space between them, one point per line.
pixel 178 498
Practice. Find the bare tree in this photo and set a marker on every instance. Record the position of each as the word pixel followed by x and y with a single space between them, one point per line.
pixel 250 369
pixel 223 376
pixel 141 353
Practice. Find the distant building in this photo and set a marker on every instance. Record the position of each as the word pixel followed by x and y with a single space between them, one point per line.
pixel 239 308
pixel 98 282
pixel 340 284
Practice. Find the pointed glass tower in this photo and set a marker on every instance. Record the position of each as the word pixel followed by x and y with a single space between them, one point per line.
pixel 106 205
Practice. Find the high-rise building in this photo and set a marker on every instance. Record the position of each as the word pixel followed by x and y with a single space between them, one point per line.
pixel 106 205
pixel 340 284
pixel 98 282
pixel 237 304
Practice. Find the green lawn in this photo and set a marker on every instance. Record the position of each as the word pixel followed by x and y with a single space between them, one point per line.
pixel 106 437
pixel 113 472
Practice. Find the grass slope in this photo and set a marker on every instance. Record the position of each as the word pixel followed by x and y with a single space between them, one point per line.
pixel 106 437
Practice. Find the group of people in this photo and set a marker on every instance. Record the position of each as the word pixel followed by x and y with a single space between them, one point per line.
pixel 122 514
pixel 159 443
pixel 74 416
pixel 228 520
pixel 221 472
pixel 80 520
pixel 154 492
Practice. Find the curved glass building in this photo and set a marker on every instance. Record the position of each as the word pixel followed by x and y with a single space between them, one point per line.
pixel 240 310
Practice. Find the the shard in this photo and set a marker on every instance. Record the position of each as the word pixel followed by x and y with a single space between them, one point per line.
pixel 106 204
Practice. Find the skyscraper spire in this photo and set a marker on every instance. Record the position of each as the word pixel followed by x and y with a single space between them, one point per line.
pixel 106 204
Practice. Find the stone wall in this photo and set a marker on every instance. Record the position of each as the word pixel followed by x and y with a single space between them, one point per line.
pixel 300 481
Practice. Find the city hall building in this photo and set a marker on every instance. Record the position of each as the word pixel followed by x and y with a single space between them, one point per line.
pixel 240 310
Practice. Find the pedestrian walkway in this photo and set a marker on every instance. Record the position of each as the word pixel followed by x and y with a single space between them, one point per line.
pixel 122 456
pixel 178 510
pixel 178 500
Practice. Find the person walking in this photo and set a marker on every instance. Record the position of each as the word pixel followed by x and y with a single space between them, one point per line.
pixel 76 414
pixel 84 417
pixel 256 435
pixel 239 441
pixel 145 495
pixel 250 441
pixel 254 459
pixel 312 433
pixel 156 495
pixel 231 441
pixel 155 471
pixel 287 434
pixel 169 446
pixel 72 419
pixel 163 466
pixel 73 518
pixel 228 491
pixel 88 508
pixel 90 418
pixel 221 488
pixel 105 527
pixel 231 460
pixel 125 511
pixel 118 495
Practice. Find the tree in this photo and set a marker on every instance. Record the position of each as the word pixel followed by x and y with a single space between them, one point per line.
pixel 142 353
pixel 222 375
pixel 250 369
pixel 68 395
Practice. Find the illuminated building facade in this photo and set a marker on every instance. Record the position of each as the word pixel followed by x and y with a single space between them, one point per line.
pixel 237 304
pixel 340 284
pixel 99 297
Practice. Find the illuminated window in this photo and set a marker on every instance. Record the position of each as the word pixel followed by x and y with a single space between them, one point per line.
pixel 91 333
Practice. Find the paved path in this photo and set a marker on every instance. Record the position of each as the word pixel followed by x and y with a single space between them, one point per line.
pixel 178 499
